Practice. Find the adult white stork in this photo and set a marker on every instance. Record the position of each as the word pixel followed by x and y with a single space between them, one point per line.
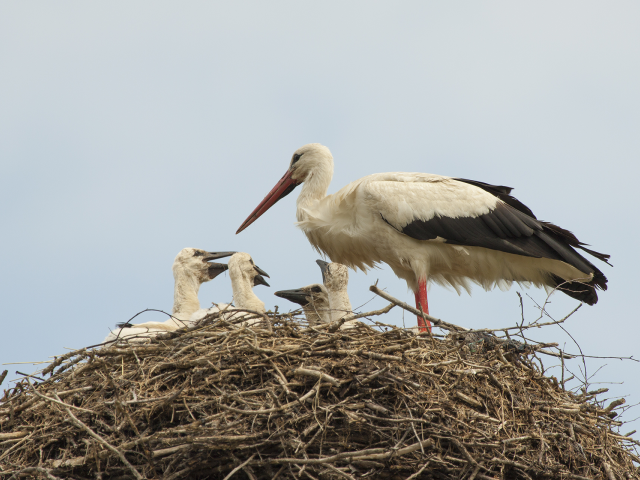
pixel 433 228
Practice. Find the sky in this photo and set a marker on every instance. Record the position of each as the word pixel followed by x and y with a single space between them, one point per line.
pixel 129 131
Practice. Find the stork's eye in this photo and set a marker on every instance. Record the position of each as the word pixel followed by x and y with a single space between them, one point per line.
pixel 296 157
pixel 251 260
pixel 316 289
pixel 198 254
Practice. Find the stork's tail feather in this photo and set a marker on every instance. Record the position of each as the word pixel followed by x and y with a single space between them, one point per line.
pixel 583 291
pixel 599 281
pixel 600 256
pixel 580 291
pixel 586 291
pixel 574 242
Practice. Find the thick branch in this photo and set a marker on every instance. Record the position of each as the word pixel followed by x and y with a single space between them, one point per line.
pixel 435 321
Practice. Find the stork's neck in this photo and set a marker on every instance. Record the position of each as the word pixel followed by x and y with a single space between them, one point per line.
pixel 185 295
pixel 311 315
pixel 315 185
pixel 243 295
pixel 316 315
pixel 340 304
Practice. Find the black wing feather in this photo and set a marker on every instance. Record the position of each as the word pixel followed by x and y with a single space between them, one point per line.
pixel 487 231
pixel 504 194
pixel 500 191
pixel 511 227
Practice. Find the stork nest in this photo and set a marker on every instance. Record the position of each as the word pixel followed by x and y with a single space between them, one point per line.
pixel 279 400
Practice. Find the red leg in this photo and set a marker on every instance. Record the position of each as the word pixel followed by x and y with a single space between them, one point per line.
pixel 421 301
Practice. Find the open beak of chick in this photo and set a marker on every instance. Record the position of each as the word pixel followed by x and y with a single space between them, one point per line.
pixel 259 279
pixel 216 269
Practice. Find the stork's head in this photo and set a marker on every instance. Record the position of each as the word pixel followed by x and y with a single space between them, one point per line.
pixel 197 263
pixel 241 266
pixel 335 276
pixel 315 294
pixel 310 161
pixel 306 161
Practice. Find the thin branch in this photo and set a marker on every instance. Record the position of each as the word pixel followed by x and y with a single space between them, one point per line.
pixel 239 467
pixel 59 402
pixel 102 441
pixel 33 470
pixel 337 324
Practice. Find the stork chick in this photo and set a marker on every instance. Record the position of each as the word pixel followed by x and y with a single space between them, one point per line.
pixel 191 268
pixel 245 275
pixel 335 277
pixel 314 300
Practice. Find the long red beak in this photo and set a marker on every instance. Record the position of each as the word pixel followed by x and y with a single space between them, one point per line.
pixel 283 188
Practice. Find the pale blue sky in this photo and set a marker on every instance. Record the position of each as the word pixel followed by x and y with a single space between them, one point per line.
pixel 131 130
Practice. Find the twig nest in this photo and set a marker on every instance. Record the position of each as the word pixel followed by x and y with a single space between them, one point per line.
pixel 220 400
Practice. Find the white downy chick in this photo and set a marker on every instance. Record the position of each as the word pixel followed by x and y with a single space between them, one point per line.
pixel 335 277
pixel 191 268
pixel 245 275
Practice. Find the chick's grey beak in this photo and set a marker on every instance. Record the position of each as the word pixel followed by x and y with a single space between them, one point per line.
pixel 216 255
pixel 259 280
pixel 216 269
pixel 261 271
pixel 296 296
pixel 323 267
